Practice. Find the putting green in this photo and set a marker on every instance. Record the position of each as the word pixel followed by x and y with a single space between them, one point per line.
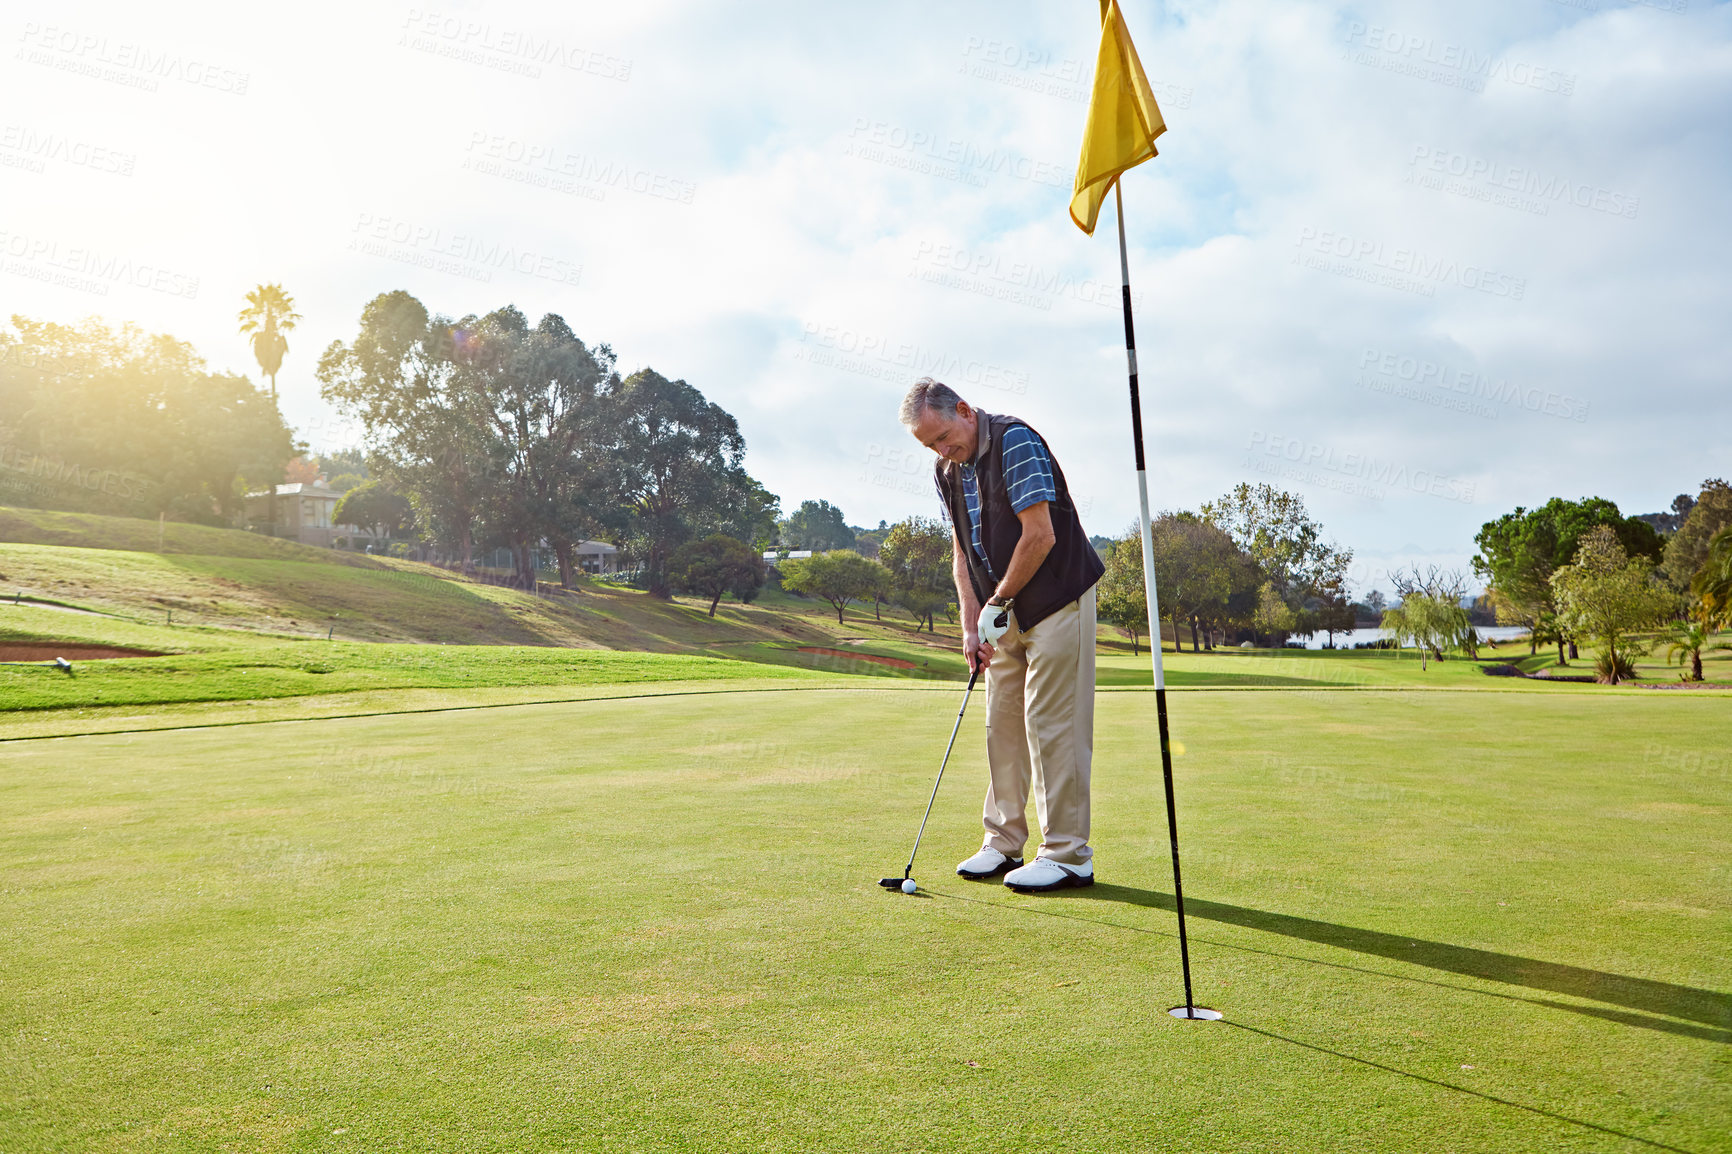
pixel 1435 922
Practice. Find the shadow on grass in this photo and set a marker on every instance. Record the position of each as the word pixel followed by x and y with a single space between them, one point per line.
pixel 1706 1006
pixel 1242 916
pixel 1458 1089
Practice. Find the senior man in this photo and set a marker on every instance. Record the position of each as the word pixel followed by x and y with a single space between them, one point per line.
pixel 1025 577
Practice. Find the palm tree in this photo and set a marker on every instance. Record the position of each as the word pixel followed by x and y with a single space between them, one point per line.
pixel 1689 640
pixel 1712 583
pixel 270 313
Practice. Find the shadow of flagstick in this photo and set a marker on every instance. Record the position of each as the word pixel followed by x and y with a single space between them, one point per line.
pixel 1612 1015
pixel 1640 1021
pixel 1706 1006
pixel 1624 1134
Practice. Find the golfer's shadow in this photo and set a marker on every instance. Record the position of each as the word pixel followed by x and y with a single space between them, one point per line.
pixel 1709 1007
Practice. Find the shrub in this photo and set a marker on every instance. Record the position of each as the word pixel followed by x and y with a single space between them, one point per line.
pixel 1611 667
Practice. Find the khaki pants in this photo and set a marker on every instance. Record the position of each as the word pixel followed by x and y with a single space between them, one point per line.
pixel 1040 719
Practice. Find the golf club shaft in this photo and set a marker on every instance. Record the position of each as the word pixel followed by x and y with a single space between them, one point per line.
pixel 973 675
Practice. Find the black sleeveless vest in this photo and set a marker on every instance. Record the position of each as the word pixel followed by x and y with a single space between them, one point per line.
pixel 1070 568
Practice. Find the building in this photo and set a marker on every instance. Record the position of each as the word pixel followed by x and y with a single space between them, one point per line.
pixel 303 513
pixel 597 557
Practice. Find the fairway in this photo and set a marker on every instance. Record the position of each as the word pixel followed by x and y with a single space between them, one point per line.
pixel 1434 921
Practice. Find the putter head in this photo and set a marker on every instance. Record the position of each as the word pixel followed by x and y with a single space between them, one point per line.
pixel 890 883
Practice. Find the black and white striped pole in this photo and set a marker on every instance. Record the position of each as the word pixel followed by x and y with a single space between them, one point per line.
pixel 1190 1010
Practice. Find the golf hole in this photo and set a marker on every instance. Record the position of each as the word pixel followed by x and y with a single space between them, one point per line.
pixel 1195 1013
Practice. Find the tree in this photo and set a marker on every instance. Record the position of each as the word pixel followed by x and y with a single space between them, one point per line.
pixel 376 507
pixel 883 589
pixel 839 576
pixel 1194 569
pixel 270 313
pixel 1336 616
pixel 869 542
pixel 752 516
pixel 1687 549
pixel 539 395
pixel 398 379
pixel 1688 640
pixel 1430 613
pixel 124 422
pixel 717 565
pixel 675 468
pixel 917 552
pixel 526 436
pixel 1283 547
pixel 1712 583
pixel 1671 521
pixel 818 526
pixel 1275 531
pixel 1606 594
pixel 1120 599
pixel 1273 615
pixel 1519 552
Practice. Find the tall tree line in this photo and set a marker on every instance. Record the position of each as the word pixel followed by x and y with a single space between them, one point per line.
pixel 1573 570
pixel 505 434
pixel 1254 561
pixel 120 421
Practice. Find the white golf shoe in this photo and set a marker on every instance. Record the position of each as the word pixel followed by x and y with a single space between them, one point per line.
pixel 986 864
pixel 1043 875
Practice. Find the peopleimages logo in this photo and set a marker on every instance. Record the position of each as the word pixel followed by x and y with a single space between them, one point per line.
pixel 70 475
pixel 123 62
pixel 1018 282
pixel 1401 375
pixel 1358 473
pixel 884 358
pixel 89 270
pixel 1511 185
pixel 1404 266
pixel 577 173
pixel 458 253
pixel 504 49
pixel 1034 70
pixel 34 149
pixel 949 158
pixel 1445 63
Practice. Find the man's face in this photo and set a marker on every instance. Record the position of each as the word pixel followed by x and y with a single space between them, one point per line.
pixel 953 437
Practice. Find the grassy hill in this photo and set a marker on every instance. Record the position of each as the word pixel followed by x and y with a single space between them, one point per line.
pixel 237 580
pixel 217 591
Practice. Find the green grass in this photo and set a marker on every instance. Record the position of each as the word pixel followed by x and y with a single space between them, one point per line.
pixel 1488 922
pixel 298 669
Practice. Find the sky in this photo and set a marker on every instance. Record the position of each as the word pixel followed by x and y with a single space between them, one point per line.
pixel 1418 263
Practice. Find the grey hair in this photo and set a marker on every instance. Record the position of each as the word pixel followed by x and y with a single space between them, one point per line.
pixel 925 394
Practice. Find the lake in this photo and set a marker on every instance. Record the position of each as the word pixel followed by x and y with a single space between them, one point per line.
pixel 1361 636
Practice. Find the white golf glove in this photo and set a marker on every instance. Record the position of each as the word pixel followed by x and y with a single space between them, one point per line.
pixel 994 623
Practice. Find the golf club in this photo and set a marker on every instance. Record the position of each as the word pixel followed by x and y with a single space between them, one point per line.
pixel 903 883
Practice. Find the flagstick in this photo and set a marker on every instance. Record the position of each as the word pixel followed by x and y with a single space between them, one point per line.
pixel 1190 1008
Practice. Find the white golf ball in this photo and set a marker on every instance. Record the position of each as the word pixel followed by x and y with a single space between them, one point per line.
pixel 908 886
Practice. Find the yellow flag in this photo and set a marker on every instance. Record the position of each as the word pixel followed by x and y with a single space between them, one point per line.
pixel 1123 120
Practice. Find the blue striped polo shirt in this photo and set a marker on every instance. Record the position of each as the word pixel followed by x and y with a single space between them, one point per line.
pixel 1027 481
